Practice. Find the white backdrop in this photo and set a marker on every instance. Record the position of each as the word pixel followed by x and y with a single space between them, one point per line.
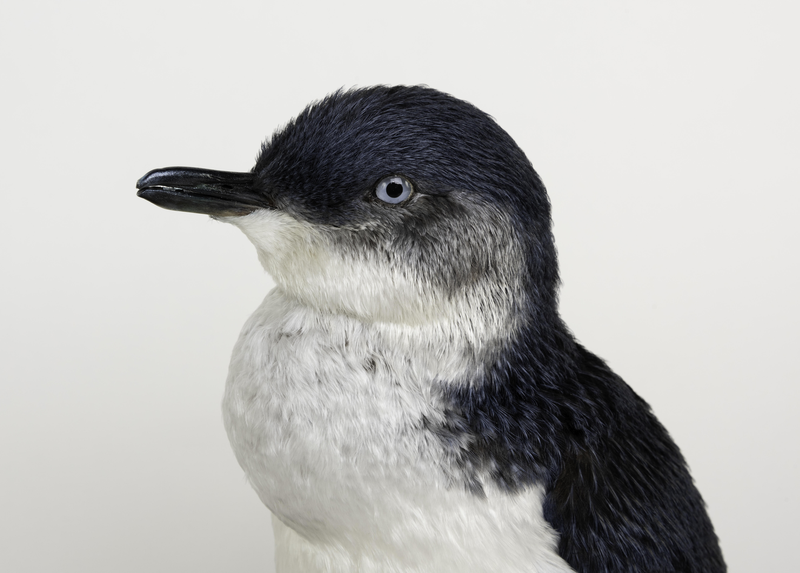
pixel 667 134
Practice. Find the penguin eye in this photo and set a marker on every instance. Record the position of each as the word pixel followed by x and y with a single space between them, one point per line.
pixel 394 189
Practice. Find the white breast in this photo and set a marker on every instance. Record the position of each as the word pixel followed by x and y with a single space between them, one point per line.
pixel 327 414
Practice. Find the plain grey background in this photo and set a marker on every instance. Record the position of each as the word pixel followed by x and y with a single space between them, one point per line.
pixel 666 133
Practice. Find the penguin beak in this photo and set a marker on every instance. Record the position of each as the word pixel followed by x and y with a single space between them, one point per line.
pixel 216 193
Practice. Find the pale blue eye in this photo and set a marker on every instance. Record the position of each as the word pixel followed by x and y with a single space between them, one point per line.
pixel 394 189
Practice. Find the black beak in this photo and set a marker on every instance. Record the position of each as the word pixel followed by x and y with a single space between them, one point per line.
pixel 217 193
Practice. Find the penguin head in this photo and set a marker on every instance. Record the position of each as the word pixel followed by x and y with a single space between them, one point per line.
pixel 392 204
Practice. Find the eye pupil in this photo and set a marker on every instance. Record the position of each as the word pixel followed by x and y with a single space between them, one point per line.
pixel 394 190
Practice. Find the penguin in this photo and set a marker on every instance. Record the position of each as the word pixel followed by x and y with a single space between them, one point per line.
pixel 407 398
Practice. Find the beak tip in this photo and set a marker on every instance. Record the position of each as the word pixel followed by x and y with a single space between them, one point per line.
pixel 146 179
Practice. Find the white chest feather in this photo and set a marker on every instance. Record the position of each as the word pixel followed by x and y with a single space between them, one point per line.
pixel 327 414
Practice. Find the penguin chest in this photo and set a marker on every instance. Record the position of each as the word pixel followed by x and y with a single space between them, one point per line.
pixel 329 419
pixel 324 421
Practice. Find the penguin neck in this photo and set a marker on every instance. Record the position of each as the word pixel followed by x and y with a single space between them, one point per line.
pixel 447 340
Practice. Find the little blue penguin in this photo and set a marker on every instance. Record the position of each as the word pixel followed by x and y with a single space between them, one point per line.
pixel 407 398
